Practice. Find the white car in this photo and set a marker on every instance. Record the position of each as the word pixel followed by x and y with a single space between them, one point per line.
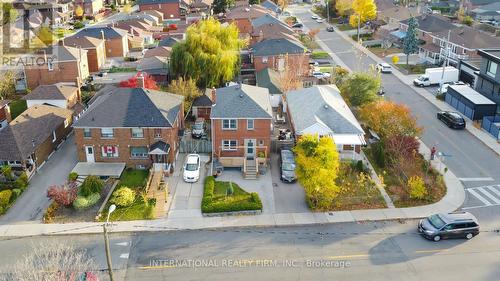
pixel 444 88
pixel 384 67
pixel 320 20
pixel 192 168
pixel 321 75
pixel 314 17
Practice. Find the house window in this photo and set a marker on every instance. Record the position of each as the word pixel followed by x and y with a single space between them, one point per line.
pixel 229 124
pixel 137 133
pixel 157 133
pixel 261 142
pixel 491 69
pixel 109 151
pixel 139 152
pixel 229 145
pixel 264 59
pixel 86 133
pixel 54 136
pixel 107 133
pixel 250 124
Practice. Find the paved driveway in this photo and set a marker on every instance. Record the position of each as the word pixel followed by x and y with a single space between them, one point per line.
pixel 33 202
pixel 288 197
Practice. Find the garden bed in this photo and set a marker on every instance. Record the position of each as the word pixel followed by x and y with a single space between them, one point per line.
pixel 379 51
pixel 414 68
pixel 358 191
pixel 217 198
pixel 319 55
pixel 364 37
pixel 141 208
pixel 398 190
pixel 344 27
pixel 11 187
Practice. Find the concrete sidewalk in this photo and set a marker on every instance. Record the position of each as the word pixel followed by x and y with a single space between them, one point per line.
pixel 453 199
pixel 483 136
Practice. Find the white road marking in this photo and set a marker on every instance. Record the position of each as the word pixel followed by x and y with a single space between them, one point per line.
pixel 489 195
pixel 124 256
pixel 476 179
pixel 493 188
pixel 122 244
pixel 478 196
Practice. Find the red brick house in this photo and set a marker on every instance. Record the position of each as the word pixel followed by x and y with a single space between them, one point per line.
pixel 169 8
pixel 243 15
pixel 270 53
pixel 202 105
pixel 135 126
pixel 96 53
pixel 31 137
pixel 116 40
pixel 4 113
pixel 241 123
pixel 59 64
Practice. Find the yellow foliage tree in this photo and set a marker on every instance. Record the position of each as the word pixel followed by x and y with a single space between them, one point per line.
pixel 79 11
pixel 343 7
pixel 395 59
pixel 363 11
pixel 417 188
pixel 317 168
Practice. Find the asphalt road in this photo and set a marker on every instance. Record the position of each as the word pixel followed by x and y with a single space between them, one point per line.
pixel 349 251
pixel 467 157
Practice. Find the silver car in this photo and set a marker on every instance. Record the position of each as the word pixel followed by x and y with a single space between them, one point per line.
pixel 450 225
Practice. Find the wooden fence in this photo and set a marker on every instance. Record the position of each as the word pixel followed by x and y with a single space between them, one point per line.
pixel 196 146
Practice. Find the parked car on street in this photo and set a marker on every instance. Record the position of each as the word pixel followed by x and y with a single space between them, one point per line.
pixel 452 119
pixel 314 17
pixel 321 75
pixel 192 168
pixel 444 88
pixel 451 225
pixel 198 129
pixel 298 25
pixel 384 67
pixel 330 29
pixel 320 20
pixel 287 166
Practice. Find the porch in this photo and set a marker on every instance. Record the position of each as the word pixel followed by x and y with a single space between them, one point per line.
pixel 250 158
pixel 111 170
pixel 159 154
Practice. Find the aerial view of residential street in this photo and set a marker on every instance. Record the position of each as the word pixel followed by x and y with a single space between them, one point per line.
pixel 250 140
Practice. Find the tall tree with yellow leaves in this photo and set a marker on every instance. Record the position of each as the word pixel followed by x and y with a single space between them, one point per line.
pixel 363 11
pixel 343 7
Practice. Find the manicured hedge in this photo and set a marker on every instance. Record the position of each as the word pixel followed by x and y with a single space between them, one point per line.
pixel 212 203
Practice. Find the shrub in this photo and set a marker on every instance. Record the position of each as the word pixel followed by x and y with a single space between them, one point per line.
pixel 22 182
pixel 48 217
pixel 82 202
pixel 64 195
pixel 5 197
pixel 16 192
pixel 7 172
pixel 78 25
pixel 417 187
pixel 123 197
pixel 2 210
pixel 72 176
pixel 230 189
pixel 90 185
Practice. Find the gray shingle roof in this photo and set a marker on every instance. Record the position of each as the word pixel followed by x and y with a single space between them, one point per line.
pixel 59 91
pixel 85 42
pixel 168 41
pixel 242 101
pixel 33 127
pixel 266 19
pixel 132 107
pixel 269 78
pixel 203 100
pixel 321 105
pixel 271 6
pixel 277 46
pixel 64 53
pixel 96 32
pixel 432 23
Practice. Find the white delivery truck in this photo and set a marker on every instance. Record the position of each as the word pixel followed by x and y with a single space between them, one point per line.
pixel 433 76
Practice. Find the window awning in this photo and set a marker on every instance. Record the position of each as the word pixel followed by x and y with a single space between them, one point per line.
pixel 399 34
pixel 159 148
pixel 349 139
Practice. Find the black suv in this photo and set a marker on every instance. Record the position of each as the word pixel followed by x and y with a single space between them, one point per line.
pixel 451 225
pixel 451 119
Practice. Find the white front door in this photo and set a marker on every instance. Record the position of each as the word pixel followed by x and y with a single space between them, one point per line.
pixel 89 151
pixel 250 149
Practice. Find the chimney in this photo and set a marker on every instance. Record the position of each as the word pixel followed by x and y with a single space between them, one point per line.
pixel 140 80
pixel 214 95
pixel 261 36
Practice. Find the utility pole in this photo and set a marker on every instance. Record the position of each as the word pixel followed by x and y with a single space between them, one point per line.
pixel 359 23
pixel 328 11
pixel 106 243
pixel 445 64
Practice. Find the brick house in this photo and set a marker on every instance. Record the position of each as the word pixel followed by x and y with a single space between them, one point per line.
pixel 202 105
pixel 271 52
pixel 62 95
pixel 4 113
pixel 31 137
pixel 321 110
pixel 59 64
pixel 116 41
pixel 156 67
pixel 135 126
pixel 243 15
pixel 169 8
pixel 96 53
pixel 270 27
pixel 90 7
pixel 157 14
pixel 241 124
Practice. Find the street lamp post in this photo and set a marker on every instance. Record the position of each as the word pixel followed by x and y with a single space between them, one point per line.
pixel 327 11
pixel 111 209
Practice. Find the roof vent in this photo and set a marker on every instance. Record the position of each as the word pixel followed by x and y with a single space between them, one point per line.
pixel 325 106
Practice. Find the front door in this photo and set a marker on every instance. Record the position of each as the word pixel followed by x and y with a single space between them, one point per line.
pixel 89 151
pixel 250 149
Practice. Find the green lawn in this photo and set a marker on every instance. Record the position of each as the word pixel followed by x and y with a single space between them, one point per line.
pixel 133 178
pixel 137 211
pixel 319 55
pixel 328 69
pixel 115 69
pixel 379 51
pixel 222 186
pixel 215 199
pixel 344 27
pixel 364 37
pixel 17 107
pixel 415 68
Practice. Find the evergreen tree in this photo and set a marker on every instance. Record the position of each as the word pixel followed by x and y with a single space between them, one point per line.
pixel 410 42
